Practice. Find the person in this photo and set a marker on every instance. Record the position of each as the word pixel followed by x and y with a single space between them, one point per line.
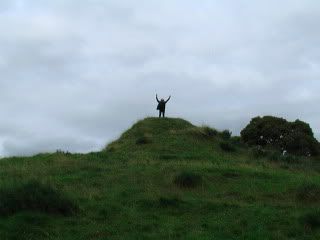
pixel 162 106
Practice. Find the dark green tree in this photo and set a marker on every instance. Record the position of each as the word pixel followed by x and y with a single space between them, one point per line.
pixel 294 137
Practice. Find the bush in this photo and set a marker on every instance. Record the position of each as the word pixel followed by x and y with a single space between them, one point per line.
pixel 308 193
pixel 209 132
pixel 34 196
pixel 236 140
pixel 227 147
pixel 110 149
pixel 278 157
pixel 225 134
pixel 274 156
pixel 188 180
pixel 143 140
pixel 289 158
pixel 61 152
pixel 311 220
pixel 258 152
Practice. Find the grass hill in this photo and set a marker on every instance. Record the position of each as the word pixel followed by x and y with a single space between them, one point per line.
pixel 162 179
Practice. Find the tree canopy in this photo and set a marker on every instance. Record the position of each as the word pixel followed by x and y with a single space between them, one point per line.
pixel 294 137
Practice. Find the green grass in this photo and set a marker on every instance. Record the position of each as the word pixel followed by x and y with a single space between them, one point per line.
pixel 34 196
pixel 132 190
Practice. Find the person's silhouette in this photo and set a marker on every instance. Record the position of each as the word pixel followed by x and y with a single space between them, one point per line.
pixel 162 106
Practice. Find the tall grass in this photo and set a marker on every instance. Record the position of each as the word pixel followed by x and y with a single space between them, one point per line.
pixel 34 196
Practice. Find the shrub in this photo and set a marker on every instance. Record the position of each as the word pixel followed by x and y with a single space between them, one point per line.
pixel 308 193
pixel 258 152
pixel 236 140
pixel 143 140
pixel 225 134
pixel 209 132
pixel 100 156
pixel 111 149
pixel 227 147
pixel 289 158
pixel 274 156
pixel 278 157
pixel 188 180
pixel 34 196
pixel 62 152
pixel 311 220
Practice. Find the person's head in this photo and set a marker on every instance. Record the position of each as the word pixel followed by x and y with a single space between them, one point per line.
pixel 162 100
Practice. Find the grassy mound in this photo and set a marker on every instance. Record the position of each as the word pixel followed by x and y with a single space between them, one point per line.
pixel 162 179
pixel 156 126
pixel 34 196
pixel 167 139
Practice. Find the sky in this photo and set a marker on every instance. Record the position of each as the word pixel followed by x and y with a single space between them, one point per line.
pixel 75 74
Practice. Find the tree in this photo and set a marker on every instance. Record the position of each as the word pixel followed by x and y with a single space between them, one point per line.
pixel 295 137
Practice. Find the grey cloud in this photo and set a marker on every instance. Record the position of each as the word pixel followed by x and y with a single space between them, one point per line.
pixel 75 74
pixel 27 146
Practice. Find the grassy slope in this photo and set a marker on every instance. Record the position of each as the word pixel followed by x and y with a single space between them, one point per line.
pixel 127 190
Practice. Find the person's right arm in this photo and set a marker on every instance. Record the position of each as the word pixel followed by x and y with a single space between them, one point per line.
pixel 157 98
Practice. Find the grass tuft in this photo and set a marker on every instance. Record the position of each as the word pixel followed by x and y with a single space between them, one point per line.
pixel 311 220
pixel 227 147
pixel 308 193
pixel 143 140
pixel 168 156
pixel 34 196
pixel 188 180
pixel 165 202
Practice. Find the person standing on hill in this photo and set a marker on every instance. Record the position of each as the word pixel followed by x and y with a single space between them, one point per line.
pixel 162 106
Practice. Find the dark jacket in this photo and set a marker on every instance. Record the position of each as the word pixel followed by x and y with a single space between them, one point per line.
pixel 162 104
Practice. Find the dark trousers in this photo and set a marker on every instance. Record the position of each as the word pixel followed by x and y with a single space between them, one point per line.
pixel 161 113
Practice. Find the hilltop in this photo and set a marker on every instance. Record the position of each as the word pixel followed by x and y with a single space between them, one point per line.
pixel 163 178
pixel 168 138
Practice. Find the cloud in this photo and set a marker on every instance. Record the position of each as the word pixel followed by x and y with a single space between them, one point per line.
pixel 75 74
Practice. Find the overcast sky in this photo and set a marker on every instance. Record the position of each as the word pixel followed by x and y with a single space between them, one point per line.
pixel 75 74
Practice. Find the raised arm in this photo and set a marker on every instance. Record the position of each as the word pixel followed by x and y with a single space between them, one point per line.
pixel 168 99
pixel 157 98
